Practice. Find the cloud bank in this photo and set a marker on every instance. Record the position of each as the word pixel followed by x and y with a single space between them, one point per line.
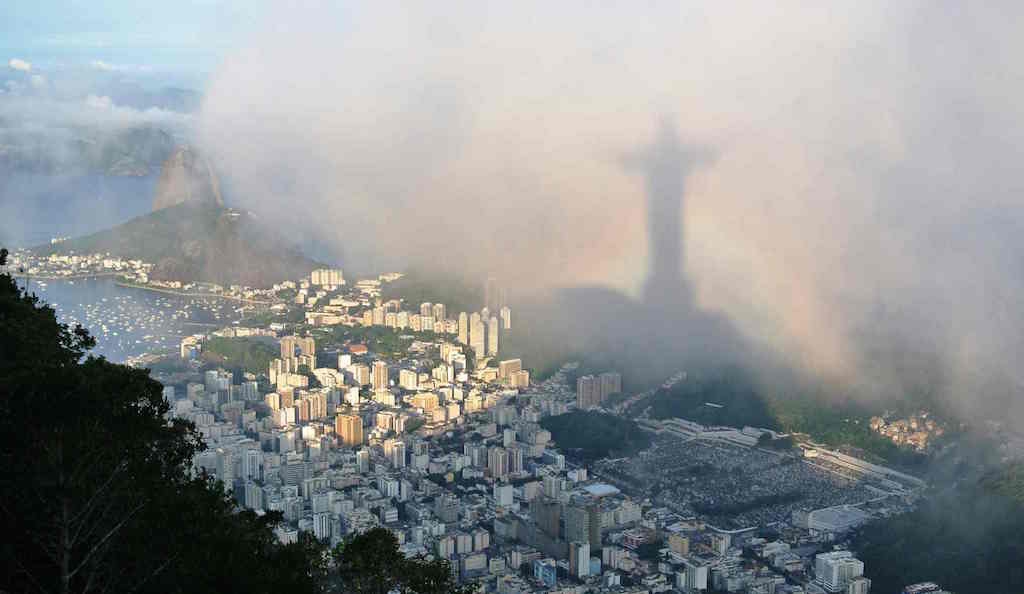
pixel 19 64
pixel 861 214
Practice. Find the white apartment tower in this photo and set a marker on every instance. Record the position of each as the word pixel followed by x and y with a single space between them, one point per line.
pixel 834 571
pixel 463 328
pixel 492 336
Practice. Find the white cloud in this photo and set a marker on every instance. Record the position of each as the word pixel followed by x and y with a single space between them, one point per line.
pixel 108 67
pixel 19 64
pixel 99 101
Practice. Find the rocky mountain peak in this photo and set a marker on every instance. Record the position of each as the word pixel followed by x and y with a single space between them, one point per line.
pixel 186 176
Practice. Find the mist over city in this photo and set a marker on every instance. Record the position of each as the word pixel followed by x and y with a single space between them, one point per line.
pixel 661 244
pixel 850 175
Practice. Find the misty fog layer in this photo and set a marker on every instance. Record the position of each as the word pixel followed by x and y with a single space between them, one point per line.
pixel 856 209
pixel 80 146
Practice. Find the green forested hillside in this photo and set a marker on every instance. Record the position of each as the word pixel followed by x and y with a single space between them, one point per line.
pixel 199 242
pixel 968 538
pixel 592 435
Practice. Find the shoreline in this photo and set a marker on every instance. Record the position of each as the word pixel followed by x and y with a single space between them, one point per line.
pixel 187 294
pixel 49 277
pixel 130 285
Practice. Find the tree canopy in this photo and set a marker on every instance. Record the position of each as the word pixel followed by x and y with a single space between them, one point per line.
pixel 370 563
pixel 968 538
pixel 592 435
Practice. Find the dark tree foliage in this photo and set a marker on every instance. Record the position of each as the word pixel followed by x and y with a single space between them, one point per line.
pixel 734 401
pixel 378 339
pixel 592 435
pixel 313 381
pixel 842 423
pixel 96 494
pixel 650 551
pixel 968 538
pixel 370 563
pixel 245 354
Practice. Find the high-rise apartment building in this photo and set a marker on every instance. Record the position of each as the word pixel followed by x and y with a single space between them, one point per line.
pixel 588 392
pixel 438 311
pixel 579 559
pixel 506 318
pixel 833 571
pixel 477 335
pixel 610 383
pixel 591 391
pixel 327 276
pixel 497 462
pixel 398 455
pixel 696 575
pixel 360 374
pixel 577 524
pixel 859 585
pixel 509 366
pixel 306 345
pixel 446 508
pixel 349 429
pixel 363 461
pixel 253 465
pixel 492 336
pixel 546 571
pixel 408 379
pixel 394 449
pixel 379 379
pixel 463 328
pixel 519 379
pixel 288 347
pixel 426 309
pixel 583 523
pixel 548 515
pixel 427 401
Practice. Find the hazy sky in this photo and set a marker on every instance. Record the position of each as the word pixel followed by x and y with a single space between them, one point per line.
pixel 861 184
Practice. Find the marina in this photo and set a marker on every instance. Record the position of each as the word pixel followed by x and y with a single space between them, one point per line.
pixel 126 321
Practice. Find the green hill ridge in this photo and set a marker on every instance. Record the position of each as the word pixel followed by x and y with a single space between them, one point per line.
pixel 199 242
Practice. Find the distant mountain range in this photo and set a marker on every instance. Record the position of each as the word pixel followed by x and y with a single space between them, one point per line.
pixel 128 93
pixel 136 151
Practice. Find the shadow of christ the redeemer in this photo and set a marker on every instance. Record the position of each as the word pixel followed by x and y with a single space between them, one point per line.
pixel 663 332
pixel 665 165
